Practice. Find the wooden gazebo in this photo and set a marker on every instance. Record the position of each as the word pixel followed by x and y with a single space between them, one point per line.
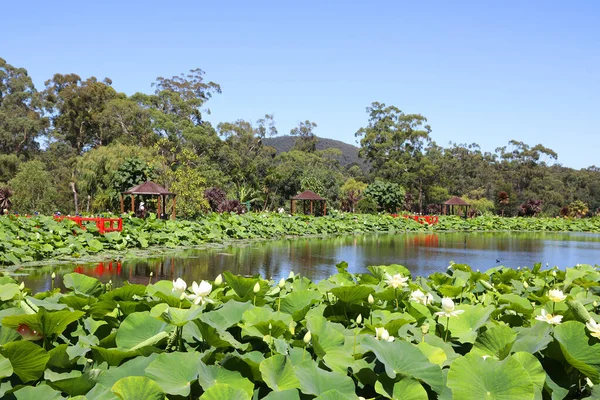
pixel 310 197
pixel 150 188
pixel 455 201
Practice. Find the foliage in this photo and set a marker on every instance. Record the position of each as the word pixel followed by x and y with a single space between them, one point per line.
pixel 394 143
pixel 42 238
pixel 577 209
pixel 215 196
pixel 306 140
pixel 33 189
pixel 531 208
pixel 367 205
pixel 526 334
pixel 5 201
pixel 232 206
pixel 21 120
pixel 189 184
pixel 351 192
pixel 388 196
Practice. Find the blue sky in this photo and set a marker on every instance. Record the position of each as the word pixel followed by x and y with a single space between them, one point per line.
pixel 483 72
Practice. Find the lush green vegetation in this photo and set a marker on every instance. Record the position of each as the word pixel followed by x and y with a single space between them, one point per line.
pixel 41 238
pixel 463 334
pixel 99 142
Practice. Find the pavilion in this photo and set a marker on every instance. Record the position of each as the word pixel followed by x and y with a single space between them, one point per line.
pixel 455 201
pixel 150 188
pixel 310 197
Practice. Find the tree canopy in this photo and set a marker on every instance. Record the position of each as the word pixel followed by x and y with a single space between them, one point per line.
pixel 82 133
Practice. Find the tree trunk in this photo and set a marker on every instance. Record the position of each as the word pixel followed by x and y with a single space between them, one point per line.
pixel 74 197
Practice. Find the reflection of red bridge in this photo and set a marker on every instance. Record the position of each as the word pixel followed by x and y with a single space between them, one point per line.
pixel 427 219
pixel 114 224
pixel 99 269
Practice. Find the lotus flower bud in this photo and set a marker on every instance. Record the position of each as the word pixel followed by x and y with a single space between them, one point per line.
pixel 307 337
pixel 281 283
pixel 292 327
pixel 151 274
pixel 22 286
pixel 256 288
pixel 359 319
pixel 525 284
pixel 370 299
pixel 595 304
pixel 270 326
pixel 218 280
pixel 291 275
pixel 53 275
pixel 182 297
pixel 425 328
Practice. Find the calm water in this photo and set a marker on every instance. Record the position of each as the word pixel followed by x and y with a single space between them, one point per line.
pixel 422 253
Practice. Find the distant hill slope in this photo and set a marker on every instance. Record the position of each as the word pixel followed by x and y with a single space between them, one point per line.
pixel 349 152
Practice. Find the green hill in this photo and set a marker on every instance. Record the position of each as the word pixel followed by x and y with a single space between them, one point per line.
pixel 349 152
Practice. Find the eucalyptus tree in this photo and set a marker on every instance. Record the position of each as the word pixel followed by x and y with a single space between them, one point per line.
pixel 306 140
pixel 176 111
pixel 76 107
pixel 244 157
pixel 21 120
pixel 394 143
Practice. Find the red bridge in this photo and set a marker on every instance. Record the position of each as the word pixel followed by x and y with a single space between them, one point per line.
pixel 103 224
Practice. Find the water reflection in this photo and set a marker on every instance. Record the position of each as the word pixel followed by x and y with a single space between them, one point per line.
pixel 422 253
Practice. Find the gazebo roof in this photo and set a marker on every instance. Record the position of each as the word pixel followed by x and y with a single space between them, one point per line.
pixel 456 201
pixel 148 188
pixel 308 195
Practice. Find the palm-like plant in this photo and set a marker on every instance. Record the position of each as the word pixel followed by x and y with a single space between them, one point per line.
pixel 5 195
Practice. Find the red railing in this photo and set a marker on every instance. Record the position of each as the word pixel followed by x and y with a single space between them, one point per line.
pixel 103 224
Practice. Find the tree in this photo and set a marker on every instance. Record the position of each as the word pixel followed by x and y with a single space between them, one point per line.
pixel 389 196
pixel 21 121
pixel 176 111
pixel 104 172
pixel 5 201
pixel 33 189
pixel 306 139
pixel 352 191
pixel 189 184
pixel 77 107
pixel 394 143
pixel 243 156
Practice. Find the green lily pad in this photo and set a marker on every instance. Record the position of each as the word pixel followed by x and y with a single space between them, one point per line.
pixel 174 372
pixel 405 359
pixel 221 391
pixel 141 329
pixel 574 344
pixel 278 373
pixel 137 388
pixel 44 392
pixel 474 378
pixel 28 360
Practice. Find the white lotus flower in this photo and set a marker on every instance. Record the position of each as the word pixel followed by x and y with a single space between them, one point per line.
pixel 219 280
pixel 420 297
pixel 200 292
pixel 549 318
pixel 307 337
pixel 556 295
pixel 594 328
pixel 281 283
pixel 396 281
pixel 179 285
pixel 448 309
pixel 370 299
pixel 383 334
pixel 256 288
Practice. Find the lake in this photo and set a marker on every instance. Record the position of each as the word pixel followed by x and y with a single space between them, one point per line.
pixel 422 253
